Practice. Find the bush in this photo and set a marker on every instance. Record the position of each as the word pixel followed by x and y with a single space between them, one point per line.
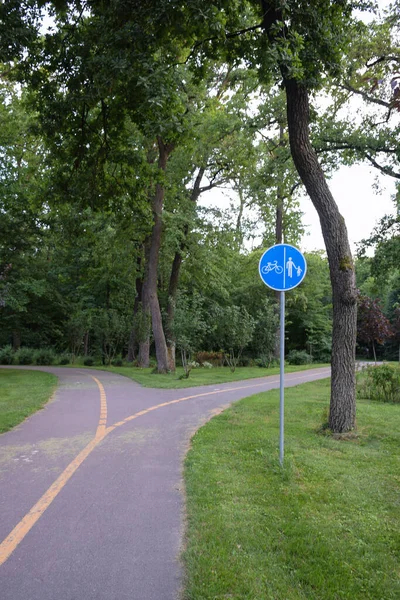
pixel 380 383
pixel 88 361
pixel 266 361
pixel 322 357
pixel 215 358
pixel 6 355
pixel 246 361
pixel 64 359
pixel 117 362
pixel 44 356
pixel 298 357
pixel 25 356
pixel 193 364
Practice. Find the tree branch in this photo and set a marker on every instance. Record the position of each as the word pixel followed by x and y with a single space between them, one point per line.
pixel 340 145
pixel 215 37
pixel 381 59
pixel 366 96
pixel 386 170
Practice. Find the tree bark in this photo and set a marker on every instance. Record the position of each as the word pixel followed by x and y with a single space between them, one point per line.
pixel 133 342
pixel 150 295
pixel 342 404
pixel 174 277
pixel 16 339
pixel 86 343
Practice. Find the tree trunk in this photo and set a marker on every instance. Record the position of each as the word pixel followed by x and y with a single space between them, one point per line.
pixel 174 277
pixel 172 293
pixel 86 343
pixel 150 295
pixel 133 342
pixel 239 232
pixel 342 404
pixel 16 339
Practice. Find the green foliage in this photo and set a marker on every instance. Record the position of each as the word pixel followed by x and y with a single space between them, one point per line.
pixel 380 383
pixel 6 355
pixel 44 356
pixel 88 361
pixel 141 324
pixel 64 359
pixel 265 330
pixel 25 356
pixel 79 168
pixel 309 310
pixel 110 331
pixel 234 331
pixel 189 328
pixel 298 357
pixel 265 361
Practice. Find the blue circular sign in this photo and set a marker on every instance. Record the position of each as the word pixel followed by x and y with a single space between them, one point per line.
pixel 282 267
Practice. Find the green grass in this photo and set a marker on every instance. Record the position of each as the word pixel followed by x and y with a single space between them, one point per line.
pixel 198 377
pixel 21 394
pixel 326 526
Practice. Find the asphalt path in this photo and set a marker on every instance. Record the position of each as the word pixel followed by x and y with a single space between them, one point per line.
pixel 91 490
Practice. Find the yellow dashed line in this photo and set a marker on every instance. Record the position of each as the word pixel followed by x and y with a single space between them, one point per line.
pixel 8 546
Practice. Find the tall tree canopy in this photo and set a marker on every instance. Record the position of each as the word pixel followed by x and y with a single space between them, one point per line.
pixel 122 88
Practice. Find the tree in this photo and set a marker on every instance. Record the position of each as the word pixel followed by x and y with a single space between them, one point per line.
pixel 372 325
pixel 395 325
pixel 264 338
pixel 189 328
pixel 302 42
pixel 234 331
pixel 309 310
pixel 129 50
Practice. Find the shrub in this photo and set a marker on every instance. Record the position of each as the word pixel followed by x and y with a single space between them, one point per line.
pixel 64 359
pixel 117 362
pixel 193 364
pixel 207 365
pixel 25 356
pixel 6 355
pixel 246 361
pixel 264 361
pixel 44 356
pixel 380 383
pixel 215 358
pixel 322 357
pixel 298 357
pixel 88 361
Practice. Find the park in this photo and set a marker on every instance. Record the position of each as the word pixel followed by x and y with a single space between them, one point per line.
pixel 154 158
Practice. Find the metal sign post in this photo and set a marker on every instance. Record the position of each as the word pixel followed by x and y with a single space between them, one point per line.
pixel 282 267
pixel 282 379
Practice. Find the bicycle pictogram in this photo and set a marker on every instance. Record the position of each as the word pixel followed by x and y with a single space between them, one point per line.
pixel 272 266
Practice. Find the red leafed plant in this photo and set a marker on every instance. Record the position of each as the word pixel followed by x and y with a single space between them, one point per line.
pixel 372 325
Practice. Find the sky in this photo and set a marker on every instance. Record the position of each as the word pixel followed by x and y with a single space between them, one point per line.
pixel 359 203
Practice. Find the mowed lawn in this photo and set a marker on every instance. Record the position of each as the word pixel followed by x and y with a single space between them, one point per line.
pixel 22 392
pixel 202 376
pixel 326 526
